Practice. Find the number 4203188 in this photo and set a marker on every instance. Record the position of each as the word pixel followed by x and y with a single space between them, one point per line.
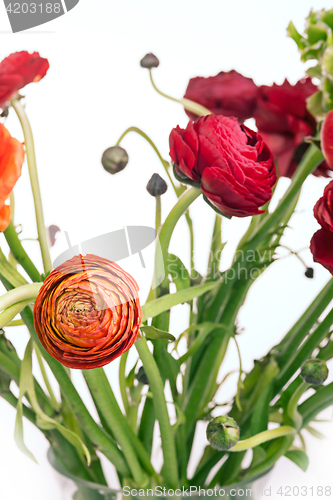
pixel 34 8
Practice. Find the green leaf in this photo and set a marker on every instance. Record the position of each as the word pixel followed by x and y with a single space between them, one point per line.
pixel 204 330
pixel 153 333
pixel 314 104
pixel 327 18
pixel 314 71
pixel 299 458
pixel 259 455
pixel 260 417
pixel 297 37
pixel 157 306
pixel 315 33
pixel 46 422
pixel 327 62
pixel 179 274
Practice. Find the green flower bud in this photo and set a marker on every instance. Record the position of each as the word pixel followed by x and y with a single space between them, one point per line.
pixel 314 371
pixel 114 159
pixel 141 376
pixel 156 185
pixel 222 433
pixel 149 61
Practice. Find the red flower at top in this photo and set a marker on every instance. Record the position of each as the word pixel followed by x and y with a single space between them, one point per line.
pixel 283 121
pixel 322 241
pixel 227 93
pixel 19 69
pixel 230 162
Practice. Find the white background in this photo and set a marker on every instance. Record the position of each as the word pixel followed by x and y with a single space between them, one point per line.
pixel 94 90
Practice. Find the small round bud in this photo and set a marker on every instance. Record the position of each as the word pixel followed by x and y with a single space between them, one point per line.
pixel 222 433
pixel 309 273
pixel 5 112
pixel 149 61
pixel 314 371
pixel 141 376
pixel 114 159
pixel 156 186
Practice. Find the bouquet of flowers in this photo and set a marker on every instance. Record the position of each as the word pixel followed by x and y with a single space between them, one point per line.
pixel 86 311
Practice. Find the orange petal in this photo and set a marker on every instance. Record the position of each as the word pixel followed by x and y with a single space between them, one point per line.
pixel 4 217
pixel 11 161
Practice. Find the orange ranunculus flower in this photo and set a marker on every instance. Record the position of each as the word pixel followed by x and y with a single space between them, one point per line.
pixel 11 161
pixel 87 312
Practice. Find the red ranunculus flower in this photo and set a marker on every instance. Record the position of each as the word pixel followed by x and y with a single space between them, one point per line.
pixel 283 121
pixel 11 161
pixel 227 93
pixel 87 312
pixel 322 241
pixel 326 136
pixel 19 69
pixel 230 162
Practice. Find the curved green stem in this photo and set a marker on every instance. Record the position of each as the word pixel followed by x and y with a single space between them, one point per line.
pixel 20 254
pixel 23 292
pixel 170 470
pixel 263 437
pixel 165 163
pixel 189 105
pixel 9 314
pixel 292 410
pixel 31 158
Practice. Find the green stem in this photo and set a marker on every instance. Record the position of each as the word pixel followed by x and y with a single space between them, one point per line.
pixel 18 294
pixel 122 381
pixel 47 383
pixel 292 411
pixel 31 159
pixel 300 330
pixel 103 396
pixel 158 213
pixel 321 400
pixel 9 314
pixel 170 469
pixel 310 161
pixel 20 254
pixel 165 163
pixel 296 360
pixel 161 271
pixel 189 105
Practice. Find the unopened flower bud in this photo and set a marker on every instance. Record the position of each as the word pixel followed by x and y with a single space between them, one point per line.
pixel 149 61
pixel 314 371
pixel 141 376
pixel 114 159
pixel 309 273
pixel 156 186
pixel 222 433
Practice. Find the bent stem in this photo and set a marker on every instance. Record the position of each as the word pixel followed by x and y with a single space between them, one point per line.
pixel 263 437
pixel 191 106
pixel 31 159
pixel 165 163
pixel 23 292
pixel 170 471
